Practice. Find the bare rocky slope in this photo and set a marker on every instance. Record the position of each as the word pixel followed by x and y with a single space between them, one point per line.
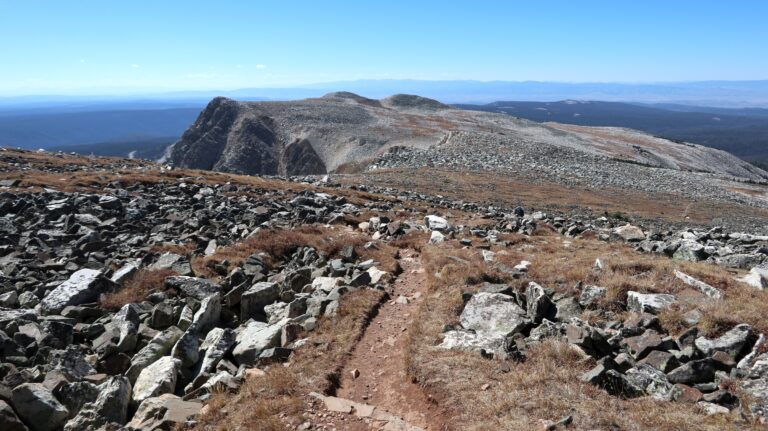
pixel 317 136
pixel 138 297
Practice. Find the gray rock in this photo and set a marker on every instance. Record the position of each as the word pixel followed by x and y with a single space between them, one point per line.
pixel 649 302
pixel 494 314
pixel 733 342
pixel 255 338
pixel 160 345
pixel 8 419
pixel 198 288
pixel 158 378
pixel 83 286
pixel 254 300
pixel 38 408
pixel 110 407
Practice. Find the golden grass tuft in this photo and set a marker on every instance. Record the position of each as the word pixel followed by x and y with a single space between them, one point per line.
pixel 136 288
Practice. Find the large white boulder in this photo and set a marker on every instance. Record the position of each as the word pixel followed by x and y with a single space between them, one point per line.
pixel 434 222
pixel 158 378
pixel 83 286
pixel 255 338
pixel 493 314
pixel 648 302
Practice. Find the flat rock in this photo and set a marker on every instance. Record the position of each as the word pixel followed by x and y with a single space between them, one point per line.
pixel 83 286
pixel 649 302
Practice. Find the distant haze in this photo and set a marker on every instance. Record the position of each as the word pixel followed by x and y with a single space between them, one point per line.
pixel 733 94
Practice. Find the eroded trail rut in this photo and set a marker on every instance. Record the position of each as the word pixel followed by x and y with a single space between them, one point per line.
pixel 380 355
pixel 375 374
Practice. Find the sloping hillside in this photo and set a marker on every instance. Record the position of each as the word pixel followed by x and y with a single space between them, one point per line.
pixel 315 136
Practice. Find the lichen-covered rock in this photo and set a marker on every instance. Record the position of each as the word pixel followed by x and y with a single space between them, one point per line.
pixel 734 342
pixel 110 407
pixel 494 314
pixel 83 286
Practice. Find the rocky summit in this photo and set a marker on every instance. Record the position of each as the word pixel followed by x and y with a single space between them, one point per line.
pixel 343 132
pixel 141 296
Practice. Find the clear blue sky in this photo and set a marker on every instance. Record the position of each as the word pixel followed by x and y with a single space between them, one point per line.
pixel 98 46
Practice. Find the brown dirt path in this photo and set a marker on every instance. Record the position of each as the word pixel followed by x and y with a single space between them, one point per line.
pixel 380 355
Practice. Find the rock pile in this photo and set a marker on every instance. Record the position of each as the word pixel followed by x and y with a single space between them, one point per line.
pixel 69 363
pixel 633 357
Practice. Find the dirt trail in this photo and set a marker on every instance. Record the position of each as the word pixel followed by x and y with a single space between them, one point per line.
pixel 379 357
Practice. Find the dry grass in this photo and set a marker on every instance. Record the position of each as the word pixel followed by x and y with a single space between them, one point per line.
pixel 275 401
pixel 546 387
pixel 136 289
pixel 279 244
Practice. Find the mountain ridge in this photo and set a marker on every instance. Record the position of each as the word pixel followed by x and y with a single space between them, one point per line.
pixel 320 135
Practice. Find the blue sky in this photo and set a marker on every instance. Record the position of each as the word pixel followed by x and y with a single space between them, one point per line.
pixel 90 46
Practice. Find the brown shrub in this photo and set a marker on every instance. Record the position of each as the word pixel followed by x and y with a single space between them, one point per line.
pixel 136 289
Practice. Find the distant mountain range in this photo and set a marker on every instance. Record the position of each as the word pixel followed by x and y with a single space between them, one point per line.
pixel 702 93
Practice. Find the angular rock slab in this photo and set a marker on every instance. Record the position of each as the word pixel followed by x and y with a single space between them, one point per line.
pixel 158 378
pixel 83 286
pixel 493 313
pixel 649 302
